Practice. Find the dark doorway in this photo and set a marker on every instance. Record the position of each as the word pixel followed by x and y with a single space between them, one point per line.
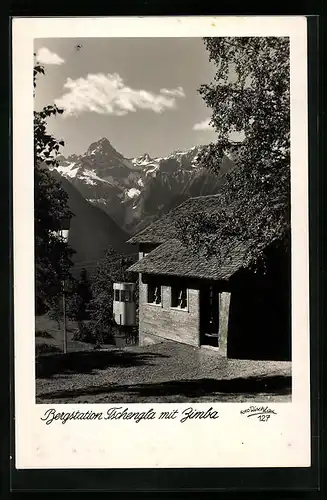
pixel 209 316
pixel 260 313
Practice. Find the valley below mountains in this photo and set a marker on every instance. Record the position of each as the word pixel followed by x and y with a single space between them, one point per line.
pixel 134 192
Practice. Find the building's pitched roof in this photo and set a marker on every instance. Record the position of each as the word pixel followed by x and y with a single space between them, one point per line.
pixel 164 229
pixel 174 259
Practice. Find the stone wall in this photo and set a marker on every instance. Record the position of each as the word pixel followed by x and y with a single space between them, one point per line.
pixel 158 322
pixel 166 322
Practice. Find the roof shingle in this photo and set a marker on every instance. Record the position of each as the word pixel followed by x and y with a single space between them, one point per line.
pixel 174 259
pixel 164 229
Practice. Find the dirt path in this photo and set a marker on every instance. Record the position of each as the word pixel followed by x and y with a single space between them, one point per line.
pixel 165 372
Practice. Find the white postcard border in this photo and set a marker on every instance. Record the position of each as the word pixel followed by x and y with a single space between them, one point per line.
pixel 232 440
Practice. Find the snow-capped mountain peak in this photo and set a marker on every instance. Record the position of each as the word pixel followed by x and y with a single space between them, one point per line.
pixel 130 190
pixel 103 168
pixel 103 146
pixel 145 157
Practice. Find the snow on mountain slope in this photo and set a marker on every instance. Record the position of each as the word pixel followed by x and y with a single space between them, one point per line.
pixel 105 170
pixel 69 170
pixel 134 190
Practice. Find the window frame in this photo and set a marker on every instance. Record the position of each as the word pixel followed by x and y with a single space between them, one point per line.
pixel 154 285
pixel 120 295
pixel 175 290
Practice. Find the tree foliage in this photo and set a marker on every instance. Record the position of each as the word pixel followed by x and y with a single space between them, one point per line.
pixel 52 254
pixel 249 98
pixel 110 269
pixel 78 305
pixel 79 298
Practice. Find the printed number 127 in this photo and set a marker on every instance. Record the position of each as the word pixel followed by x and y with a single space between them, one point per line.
pixel 263 418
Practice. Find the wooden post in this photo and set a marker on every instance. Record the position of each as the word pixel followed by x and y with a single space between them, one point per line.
pixel 64 314
pixel 224 303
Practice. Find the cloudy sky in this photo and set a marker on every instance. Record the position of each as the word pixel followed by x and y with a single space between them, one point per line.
pixel 140 93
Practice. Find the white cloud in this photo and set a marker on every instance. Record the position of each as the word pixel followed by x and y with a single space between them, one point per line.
pixel 108 94
pixel 204 125
pixel 45 56
pixel 179 92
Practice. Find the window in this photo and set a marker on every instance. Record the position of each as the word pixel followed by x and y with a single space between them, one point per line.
pixel 154 293
pixel 179 297
pixel 126 296
pixel 123 296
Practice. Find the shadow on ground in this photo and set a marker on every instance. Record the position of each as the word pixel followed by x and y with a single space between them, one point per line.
pixel 43 334
pixel 276 385
pixel 87 361
pixel 46 349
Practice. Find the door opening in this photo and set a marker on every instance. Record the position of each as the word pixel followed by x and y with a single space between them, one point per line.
pixel 209 316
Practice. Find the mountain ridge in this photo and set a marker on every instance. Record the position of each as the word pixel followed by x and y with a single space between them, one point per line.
pixel 136 191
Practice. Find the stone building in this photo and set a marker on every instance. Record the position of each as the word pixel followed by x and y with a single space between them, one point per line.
pixel 188 297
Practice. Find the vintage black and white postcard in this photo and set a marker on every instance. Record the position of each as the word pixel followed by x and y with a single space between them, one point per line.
pixel 160 176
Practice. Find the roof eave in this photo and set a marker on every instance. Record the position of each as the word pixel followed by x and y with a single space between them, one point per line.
pixel 179 274
pixel 139 241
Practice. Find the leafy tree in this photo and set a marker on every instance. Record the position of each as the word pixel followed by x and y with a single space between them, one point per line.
pixel 52 254
pixel 110 269
pixel 79 298
pixel 249 96
pixel 78 302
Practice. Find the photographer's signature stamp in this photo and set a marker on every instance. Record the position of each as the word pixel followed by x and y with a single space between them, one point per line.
pixel 262 413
